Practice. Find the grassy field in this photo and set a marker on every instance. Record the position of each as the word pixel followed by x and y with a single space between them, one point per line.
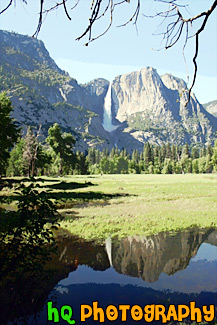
pixel 119 205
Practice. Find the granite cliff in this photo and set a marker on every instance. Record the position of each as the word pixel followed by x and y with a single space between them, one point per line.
pixel 154 108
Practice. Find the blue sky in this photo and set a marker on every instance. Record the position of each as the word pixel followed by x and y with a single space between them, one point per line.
pixel 123 49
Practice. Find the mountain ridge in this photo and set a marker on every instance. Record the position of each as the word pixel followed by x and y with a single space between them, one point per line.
pixel 144 106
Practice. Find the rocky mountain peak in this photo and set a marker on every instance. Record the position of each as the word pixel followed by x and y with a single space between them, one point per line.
pixel 173 83
pixel 27 46
pixel 97 86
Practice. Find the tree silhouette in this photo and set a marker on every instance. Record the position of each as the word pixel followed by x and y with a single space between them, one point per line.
pixel 9 131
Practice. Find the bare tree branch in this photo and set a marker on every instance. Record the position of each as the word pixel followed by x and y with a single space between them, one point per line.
pixel 175 29
pixel 135 15
pixel 64 5
pixel 92 19
pixel 10 3
pixel 40 19
pixel 208 13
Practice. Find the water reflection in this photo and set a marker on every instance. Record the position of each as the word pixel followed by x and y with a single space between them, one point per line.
pixel 161 262
pixel 135 270
pixel 148 257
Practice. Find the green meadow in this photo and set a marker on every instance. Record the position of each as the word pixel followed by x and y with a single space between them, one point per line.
pixel 98 206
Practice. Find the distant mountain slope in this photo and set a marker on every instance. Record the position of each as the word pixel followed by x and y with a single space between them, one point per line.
pixel 144 106
pixel 211 107
pixel 42 93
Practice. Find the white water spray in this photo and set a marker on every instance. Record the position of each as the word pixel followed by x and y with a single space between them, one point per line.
pixel 107 115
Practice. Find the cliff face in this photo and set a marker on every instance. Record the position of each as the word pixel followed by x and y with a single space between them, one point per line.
pixel 144 105
pixel 137 92
pixel 155 111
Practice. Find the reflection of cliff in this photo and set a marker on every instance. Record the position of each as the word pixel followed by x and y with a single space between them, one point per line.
pixel 148 257
pixel 145 257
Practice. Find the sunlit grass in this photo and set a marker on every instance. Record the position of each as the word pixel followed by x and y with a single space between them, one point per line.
pixel 150 204
pixel 95 207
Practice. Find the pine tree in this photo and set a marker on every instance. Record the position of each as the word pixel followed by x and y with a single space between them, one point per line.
pixel 209 150
pixel 214 156
pixel 81 165
pixel 98 157
pixel 163 152
pixel 112 153
pixel 104 153
pixel 91 157
pixel 147 153
pixel 186 150
pixel 135 156
pixel 168 151
pixel 174 153
pixel 194 153
pixel 203 152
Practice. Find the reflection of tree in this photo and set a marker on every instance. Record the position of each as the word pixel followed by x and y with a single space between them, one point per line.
pixel 148 257
pixel 26 244
pixel 26 292
pixel 73 252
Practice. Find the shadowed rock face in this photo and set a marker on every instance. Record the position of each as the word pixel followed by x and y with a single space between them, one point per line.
pixel 211 107
pixel 212 238
pixel 148 257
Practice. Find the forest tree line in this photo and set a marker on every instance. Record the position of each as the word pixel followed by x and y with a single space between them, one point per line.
pixel 56 156
pixel 29 156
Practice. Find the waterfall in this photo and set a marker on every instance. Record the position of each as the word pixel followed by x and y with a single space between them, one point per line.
pixel 107 114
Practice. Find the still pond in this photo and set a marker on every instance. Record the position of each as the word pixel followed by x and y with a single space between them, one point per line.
pixel 159 269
